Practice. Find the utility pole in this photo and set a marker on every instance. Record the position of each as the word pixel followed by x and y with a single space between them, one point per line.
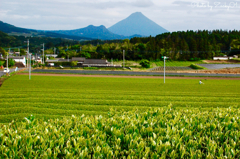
pixel 30 67
pixel 28 47
pixel 123 58
pixel 43 53
pixel 28 54
pixel 7 58
pixel 164 57
pixel 27 51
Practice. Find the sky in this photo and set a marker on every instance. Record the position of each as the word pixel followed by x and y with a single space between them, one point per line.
pixel 173 15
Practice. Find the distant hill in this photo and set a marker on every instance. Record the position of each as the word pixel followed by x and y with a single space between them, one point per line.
pixel 139 24
pixel 95 32
pixel 88 33
pixel 17 31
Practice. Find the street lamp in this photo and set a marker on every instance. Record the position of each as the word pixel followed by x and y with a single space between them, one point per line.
pixel 164 57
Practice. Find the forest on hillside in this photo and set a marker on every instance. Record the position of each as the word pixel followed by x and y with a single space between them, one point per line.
pixel 182 45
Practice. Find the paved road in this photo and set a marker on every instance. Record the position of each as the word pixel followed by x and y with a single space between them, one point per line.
pixel 134 73
pixel 3 73
pixel 219 66
pixel 11 70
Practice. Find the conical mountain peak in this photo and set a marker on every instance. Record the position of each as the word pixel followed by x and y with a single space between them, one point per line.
pixel 137 23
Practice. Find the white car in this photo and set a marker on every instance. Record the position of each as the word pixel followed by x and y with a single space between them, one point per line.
pixel 6 70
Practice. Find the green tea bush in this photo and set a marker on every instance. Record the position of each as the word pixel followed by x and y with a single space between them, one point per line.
pixel 155 133
pixel 194 66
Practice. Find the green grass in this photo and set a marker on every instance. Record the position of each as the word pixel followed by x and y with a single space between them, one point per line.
pixel 50 97
pixel 177 63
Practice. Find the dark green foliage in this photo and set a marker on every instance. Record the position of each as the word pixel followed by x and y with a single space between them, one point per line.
pixel 73 63
pixel 63 63
pixel 11 62
pixel 145 63
pixel 2 63
pixel 184 45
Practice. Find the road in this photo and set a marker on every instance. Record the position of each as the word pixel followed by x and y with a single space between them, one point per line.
pixel 219 66
pixel 11 70
pixel 3 73
pixel 133 73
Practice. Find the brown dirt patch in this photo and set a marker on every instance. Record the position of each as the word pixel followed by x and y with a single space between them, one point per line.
pixel 119 76
pixel 218 71
pixel 221 61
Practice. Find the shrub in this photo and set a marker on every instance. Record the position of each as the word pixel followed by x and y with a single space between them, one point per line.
pixel 11 62
pixel 155 133
pixel 73 63
pixel 194 66
pixel 145 63
pixel 1 63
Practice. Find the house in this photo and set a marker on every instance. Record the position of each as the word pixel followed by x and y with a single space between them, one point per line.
pixel 82 61
pixel 19 59
pixel 96 62
pixel 225 57
pixel 220 58
pixel 17 53
pixel 51 55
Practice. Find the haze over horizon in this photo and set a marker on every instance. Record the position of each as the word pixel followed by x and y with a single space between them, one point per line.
pixel 173 15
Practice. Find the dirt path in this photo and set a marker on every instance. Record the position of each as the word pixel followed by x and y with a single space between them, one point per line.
pixel 122 76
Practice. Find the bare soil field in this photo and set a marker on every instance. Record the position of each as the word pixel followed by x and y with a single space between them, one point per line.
pixel 222 61
pixel 218 71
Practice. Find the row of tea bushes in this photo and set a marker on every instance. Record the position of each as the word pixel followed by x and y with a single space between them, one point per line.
pixel 156 133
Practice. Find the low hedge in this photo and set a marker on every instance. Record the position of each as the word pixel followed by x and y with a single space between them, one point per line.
pixel 194 66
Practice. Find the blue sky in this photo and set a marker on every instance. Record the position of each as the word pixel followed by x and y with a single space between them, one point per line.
pixel 73 14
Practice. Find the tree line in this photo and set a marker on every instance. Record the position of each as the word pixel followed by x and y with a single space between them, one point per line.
pixel 182 45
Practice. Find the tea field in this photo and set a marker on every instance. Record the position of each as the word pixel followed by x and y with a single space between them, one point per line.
pixel 54 97
pixel 97 117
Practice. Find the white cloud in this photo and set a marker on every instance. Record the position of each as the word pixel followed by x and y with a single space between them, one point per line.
pixel 72 14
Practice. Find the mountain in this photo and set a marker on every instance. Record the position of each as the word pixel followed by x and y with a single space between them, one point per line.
pixel 95 32
pixel 8 28
pixel 17 31
pixel 139 24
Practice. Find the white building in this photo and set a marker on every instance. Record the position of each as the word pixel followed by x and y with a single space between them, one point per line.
pixel 20 59
pixel 220 58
